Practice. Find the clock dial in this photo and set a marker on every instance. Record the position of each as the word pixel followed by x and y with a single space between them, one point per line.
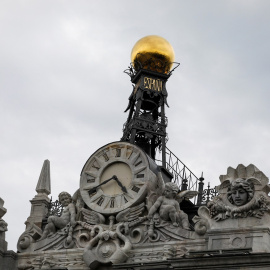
pixel 115 177
pixel 123 173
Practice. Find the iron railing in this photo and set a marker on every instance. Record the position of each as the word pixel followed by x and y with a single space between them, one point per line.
pixel 182 175
pixel 186 179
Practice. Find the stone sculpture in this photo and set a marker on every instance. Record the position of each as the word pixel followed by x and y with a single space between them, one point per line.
pixel 105 248
pixel 108 236
pixel 240 192
pixel 168 207
pixel 68 216
pixel 243 196
pixel 239 217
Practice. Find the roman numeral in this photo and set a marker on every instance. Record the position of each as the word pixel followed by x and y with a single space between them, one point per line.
pixel 106 157
pixel 138 170
pixel 95 196
pixel 100 201
pixel 96 166
pixel 129 152
pixel 110 152
pixel 136 189
pixel 99 161
pixel 126 198
pixel 134 158
pixel 138 163
pixel 129 196
pixel 112 203
pixel 117 201
pixel 124 153
pixel 90 180
pixel 90 176
pixel 138 182
pixel 118 152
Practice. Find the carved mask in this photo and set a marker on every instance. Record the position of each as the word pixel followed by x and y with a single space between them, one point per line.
pixel 156 219
pixel 239 196
pixel 240 192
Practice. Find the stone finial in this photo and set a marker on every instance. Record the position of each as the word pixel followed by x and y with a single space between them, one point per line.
pixel 44 181
pixel 3 210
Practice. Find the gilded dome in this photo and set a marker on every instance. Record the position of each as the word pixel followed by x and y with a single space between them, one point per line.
pixel 153 49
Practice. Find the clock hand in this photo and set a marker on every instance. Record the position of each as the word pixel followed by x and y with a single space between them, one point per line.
pixel 94 189
pixel 120 184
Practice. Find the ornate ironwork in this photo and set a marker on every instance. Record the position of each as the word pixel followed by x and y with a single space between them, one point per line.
pixel 130 71
pixel 208 194
pixel 54 209
pixel 144 122
pixel 156 65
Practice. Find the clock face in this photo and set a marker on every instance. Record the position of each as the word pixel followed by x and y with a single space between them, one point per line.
pixel 114 178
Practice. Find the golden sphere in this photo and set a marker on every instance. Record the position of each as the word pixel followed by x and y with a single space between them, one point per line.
pixel 153 48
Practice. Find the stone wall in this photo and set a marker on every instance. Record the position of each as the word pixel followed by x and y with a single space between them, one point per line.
pixel 8 260
pixel 259 261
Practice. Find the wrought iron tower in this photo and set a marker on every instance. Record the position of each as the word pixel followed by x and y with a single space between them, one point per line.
pixel 149 71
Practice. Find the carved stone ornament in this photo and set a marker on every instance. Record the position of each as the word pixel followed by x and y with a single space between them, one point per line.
pixel 26 265
pixel 243 194
pixel 105 239
pixel 28 237
pixel 106 248
pixel 68 215
pixel 122 203
pixel 167 206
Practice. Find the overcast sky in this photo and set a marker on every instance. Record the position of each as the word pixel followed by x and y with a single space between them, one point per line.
pixel 63 90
